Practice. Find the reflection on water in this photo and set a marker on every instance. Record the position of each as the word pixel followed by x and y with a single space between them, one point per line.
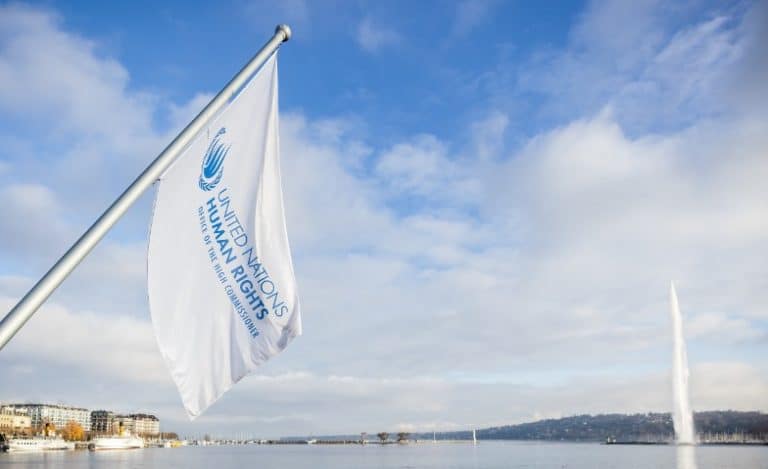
pixel 686 457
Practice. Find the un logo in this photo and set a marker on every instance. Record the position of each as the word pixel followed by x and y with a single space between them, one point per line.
pixel 213 162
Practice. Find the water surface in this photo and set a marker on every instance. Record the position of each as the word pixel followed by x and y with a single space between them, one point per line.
pixel 486 455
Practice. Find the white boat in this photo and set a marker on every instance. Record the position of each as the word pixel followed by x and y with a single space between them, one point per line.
pixel 127 441
pixel 38 444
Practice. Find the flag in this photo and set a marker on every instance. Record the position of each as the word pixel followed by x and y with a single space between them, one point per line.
pixel 222 292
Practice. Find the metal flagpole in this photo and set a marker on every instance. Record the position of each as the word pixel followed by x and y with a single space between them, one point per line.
pixel 27 306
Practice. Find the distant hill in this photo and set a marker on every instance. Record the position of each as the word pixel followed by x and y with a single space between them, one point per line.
pixel 622 427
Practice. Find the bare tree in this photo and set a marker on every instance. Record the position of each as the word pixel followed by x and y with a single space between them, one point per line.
pixel 402 437
pixel 383 436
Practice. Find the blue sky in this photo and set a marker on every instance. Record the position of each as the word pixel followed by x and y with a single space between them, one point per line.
pixel 171 52
pixel 486 203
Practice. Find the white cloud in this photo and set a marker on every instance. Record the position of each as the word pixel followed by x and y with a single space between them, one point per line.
pixel 424 167
pixel 635 57
pixel 488 135
pixel 41 233
pixel 722 327
pixel 738 386
pixel 420 167
pixel 110 345
pixel 180 116
pixel 328 209
pixel 35 204
pixel 86 87
pixel 746 83
pixel 394 403
pixel 372 37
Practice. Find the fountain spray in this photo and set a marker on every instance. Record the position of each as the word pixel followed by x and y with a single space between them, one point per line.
pixel 682 416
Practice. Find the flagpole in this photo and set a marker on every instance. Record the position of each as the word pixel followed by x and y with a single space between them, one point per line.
pixel 28 305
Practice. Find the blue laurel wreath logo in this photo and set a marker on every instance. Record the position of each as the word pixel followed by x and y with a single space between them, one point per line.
pixel 213 162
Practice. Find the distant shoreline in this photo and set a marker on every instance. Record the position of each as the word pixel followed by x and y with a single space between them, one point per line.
pixel 718 427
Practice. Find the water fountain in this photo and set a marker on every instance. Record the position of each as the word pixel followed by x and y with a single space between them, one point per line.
pixel 682 416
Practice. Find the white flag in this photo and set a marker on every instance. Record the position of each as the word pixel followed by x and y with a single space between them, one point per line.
pixel 222 292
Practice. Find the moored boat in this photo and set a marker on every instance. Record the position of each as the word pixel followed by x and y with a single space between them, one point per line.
pixel 123 440
pixel 116 442
pixel 35 444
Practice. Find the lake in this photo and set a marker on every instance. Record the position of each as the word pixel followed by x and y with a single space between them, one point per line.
pixel 487 454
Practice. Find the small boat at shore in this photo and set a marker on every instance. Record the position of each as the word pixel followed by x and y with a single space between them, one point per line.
pixel 36 444
pixel 116 442
pixel 123 440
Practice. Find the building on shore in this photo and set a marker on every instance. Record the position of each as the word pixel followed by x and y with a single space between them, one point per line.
pixel 104 422
pixel 145 424
pixel 35 418
pixel 123 423
pixel 101 422
pixel 55 414
pixel 15 421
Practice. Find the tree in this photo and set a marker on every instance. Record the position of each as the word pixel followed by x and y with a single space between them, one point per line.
pixel 402 437
pixel 72 431
pixel 383 436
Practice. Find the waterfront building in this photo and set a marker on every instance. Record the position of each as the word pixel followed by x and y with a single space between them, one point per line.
pixel 101 422
pixel 33 418
pixel 58 415
pixel 14 421
pixel 124 423
pixel 145 424
pixel 104 422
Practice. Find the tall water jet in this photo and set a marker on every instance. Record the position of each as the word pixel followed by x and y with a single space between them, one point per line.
pixel 682 416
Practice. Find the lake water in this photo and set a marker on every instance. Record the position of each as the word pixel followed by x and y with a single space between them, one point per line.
pixel 486 455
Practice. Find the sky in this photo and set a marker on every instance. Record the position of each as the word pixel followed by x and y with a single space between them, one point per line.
pixel 486 203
